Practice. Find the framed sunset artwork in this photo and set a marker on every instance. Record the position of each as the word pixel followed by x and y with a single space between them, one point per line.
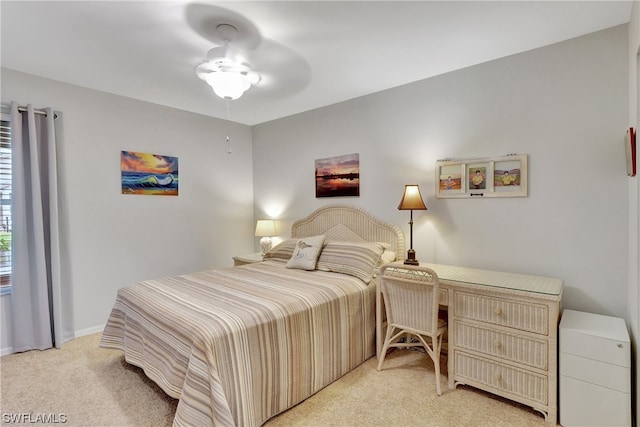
pixel 150 174
pixel 338 176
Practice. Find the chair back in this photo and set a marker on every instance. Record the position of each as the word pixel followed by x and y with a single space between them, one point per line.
pixel 411 297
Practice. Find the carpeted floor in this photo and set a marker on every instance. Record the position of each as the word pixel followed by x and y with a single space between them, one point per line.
pixel 85 385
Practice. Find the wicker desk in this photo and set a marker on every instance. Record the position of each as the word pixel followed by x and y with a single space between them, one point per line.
pixel 502 333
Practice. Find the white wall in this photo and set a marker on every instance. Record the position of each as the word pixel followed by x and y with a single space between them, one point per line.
pixel 564 105
pixel 111 239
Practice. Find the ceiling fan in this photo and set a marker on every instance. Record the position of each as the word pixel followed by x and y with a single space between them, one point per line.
pixel 226 70
pixel 243 59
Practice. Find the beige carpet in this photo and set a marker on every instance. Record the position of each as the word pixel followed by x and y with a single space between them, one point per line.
pixel 91 386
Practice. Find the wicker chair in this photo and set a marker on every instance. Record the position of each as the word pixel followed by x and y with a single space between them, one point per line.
pixel 411 299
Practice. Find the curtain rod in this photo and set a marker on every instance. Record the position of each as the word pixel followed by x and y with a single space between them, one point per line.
pixel 23 109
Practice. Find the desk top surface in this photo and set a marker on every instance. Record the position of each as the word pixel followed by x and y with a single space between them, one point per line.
pixel 497 279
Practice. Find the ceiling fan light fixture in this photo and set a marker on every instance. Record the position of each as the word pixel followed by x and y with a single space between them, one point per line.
pixel 225 70
pixel 228 84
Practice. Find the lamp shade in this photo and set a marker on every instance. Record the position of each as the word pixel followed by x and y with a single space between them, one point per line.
pixel 265 228
pixel 411 199
pixel 228 84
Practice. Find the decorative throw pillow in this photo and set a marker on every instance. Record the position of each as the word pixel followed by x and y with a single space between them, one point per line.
pixel 388 255
pixel 353 258
pixel 305 254
pixel 282 251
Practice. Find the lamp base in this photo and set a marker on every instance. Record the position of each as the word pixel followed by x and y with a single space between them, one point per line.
pixel 411 258
pixel 265 245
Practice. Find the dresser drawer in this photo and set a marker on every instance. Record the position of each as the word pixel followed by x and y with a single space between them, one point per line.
pixel 512 382
pixel 512 347
pixel 521 315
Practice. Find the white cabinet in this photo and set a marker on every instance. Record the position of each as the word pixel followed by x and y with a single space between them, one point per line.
pixel 595 370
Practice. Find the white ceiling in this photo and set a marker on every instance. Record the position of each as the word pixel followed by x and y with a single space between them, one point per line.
pixel 310 53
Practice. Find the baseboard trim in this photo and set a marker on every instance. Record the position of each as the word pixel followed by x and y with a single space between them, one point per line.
pixel 89 331
pixel 77 334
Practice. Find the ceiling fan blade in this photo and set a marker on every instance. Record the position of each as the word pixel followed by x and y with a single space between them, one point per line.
pixel 282 71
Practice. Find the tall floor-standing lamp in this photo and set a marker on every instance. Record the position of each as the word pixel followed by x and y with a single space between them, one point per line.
pixel 265 228
pixel 411 200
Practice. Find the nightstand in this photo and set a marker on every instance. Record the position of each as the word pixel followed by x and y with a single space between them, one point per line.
pixel 247 259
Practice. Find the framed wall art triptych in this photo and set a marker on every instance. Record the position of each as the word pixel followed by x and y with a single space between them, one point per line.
pixel 487 177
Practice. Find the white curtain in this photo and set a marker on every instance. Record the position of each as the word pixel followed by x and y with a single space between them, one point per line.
pixel 40 304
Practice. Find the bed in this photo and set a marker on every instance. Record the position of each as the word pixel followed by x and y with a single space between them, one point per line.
pixel 240 345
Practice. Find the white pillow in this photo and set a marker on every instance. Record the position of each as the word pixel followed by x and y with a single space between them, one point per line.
pixel 388 255
pixel 305 255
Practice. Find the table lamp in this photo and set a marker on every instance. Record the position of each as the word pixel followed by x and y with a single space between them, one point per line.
pixel 411 200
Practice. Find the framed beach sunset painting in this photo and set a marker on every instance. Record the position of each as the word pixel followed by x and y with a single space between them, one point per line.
pixel 338 176
pixel 152 174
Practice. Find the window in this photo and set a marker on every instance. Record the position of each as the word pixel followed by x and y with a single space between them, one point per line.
pixel 5 205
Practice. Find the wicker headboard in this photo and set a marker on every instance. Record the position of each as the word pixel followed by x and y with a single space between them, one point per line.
pixel 349 224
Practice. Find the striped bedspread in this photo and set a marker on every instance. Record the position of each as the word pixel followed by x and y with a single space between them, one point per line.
pixel 240 345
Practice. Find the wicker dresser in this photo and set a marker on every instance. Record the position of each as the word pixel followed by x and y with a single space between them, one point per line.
pixel 502 333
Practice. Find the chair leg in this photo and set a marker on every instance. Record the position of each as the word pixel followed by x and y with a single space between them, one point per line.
pixel 436 364
pixel 433 352
pixel 385 346
pixel 437 347
pixel 381 358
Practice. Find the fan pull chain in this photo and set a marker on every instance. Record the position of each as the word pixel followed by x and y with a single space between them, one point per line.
pixel 228 126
